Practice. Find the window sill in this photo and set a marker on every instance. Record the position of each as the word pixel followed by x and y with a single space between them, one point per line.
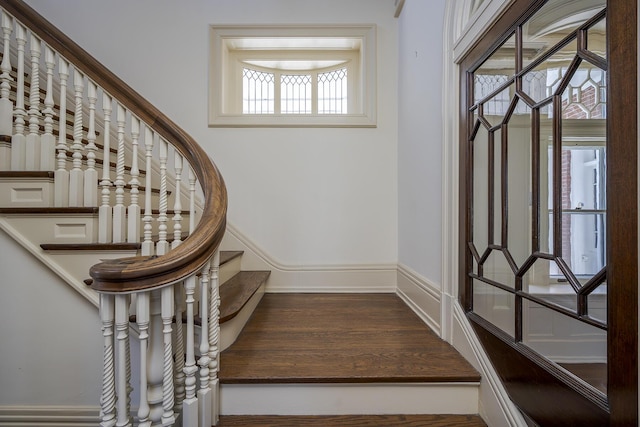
pixel 253 120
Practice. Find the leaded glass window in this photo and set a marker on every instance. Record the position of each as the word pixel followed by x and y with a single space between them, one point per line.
pixel 257 92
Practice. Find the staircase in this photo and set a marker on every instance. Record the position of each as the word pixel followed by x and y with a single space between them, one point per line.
pixel 130 212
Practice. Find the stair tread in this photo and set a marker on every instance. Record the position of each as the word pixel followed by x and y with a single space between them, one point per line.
pixel 340 338
pixel 27 174
pixel 226 256
pixel 351 420
pixel 238 290
pixel 50 210
pixel 90 246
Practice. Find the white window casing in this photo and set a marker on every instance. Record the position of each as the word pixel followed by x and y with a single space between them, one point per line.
pixel 292 50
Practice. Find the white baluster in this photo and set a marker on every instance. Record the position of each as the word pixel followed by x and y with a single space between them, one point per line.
pixel 155 366
pixel 61 176
pixel 120 210
pixel 133 233
pixel 47 140
pixel 214 338
pixel 76 176
pixel 190 403
pixel 127 350
pixel 105 213
pixel 168 417
pixel 204 393
pixel 18 141
pixel 91 174
pixel 192 201
pixel 163 246
pixel 177 205
pixel 142 318
pixel 147 244
pixel 6 106
pixel 32 150
pixel 122 339
pixel 108 397
pixel 179 347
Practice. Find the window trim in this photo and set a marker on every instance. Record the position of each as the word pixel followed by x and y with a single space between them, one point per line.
pixel 222 81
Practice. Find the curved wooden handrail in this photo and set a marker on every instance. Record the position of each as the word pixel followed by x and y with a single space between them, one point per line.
pixel 139 273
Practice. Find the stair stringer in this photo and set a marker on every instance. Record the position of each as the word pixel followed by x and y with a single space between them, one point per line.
pixel 33 247
pixel 72 266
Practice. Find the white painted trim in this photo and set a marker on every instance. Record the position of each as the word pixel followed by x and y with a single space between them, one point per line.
pixel 340 399
pixel 311 278
pixel 421 295
pixel 461 32
pixel 49 416
pixel 497 392
pixel 220 115
pixel 450 98
pixel 36 251
pixel 477 24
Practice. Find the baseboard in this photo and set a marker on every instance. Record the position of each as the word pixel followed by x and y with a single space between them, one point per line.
pixel 421 295
pixel 49 416
pixel 496 408
pixel 319 278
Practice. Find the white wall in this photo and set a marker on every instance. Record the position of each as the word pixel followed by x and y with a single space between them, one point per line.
pixel 51 351
pixel 305 196
pixel 420 137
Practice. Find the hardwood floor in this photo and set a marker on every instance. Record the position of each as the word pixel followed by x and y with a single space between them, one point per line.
pixel 354 421
pixel 339 338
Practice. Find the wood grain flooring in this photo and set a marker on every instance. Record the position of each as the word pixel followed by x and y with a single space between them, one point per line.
pixel 340 338
pixel 354 421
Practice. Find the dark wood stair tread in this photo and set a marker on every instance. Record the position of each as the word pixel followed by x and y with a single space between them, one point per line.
pixel 227 256
pixel 351 421
pixel 237 291
pixel 50 211
pixel 91 246
pixel 27 174
pixel 340 338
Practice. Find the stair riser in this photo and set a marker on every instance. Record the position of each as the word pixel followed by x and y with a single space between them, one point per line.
pixel 39 192
pixel 342 399
pixel 230 269
pixel 26 192
pixel 79 228
pixel 230 329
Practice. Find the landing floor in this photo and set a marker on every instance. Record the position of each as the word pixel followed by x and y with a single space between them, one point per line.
pixel 340 338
